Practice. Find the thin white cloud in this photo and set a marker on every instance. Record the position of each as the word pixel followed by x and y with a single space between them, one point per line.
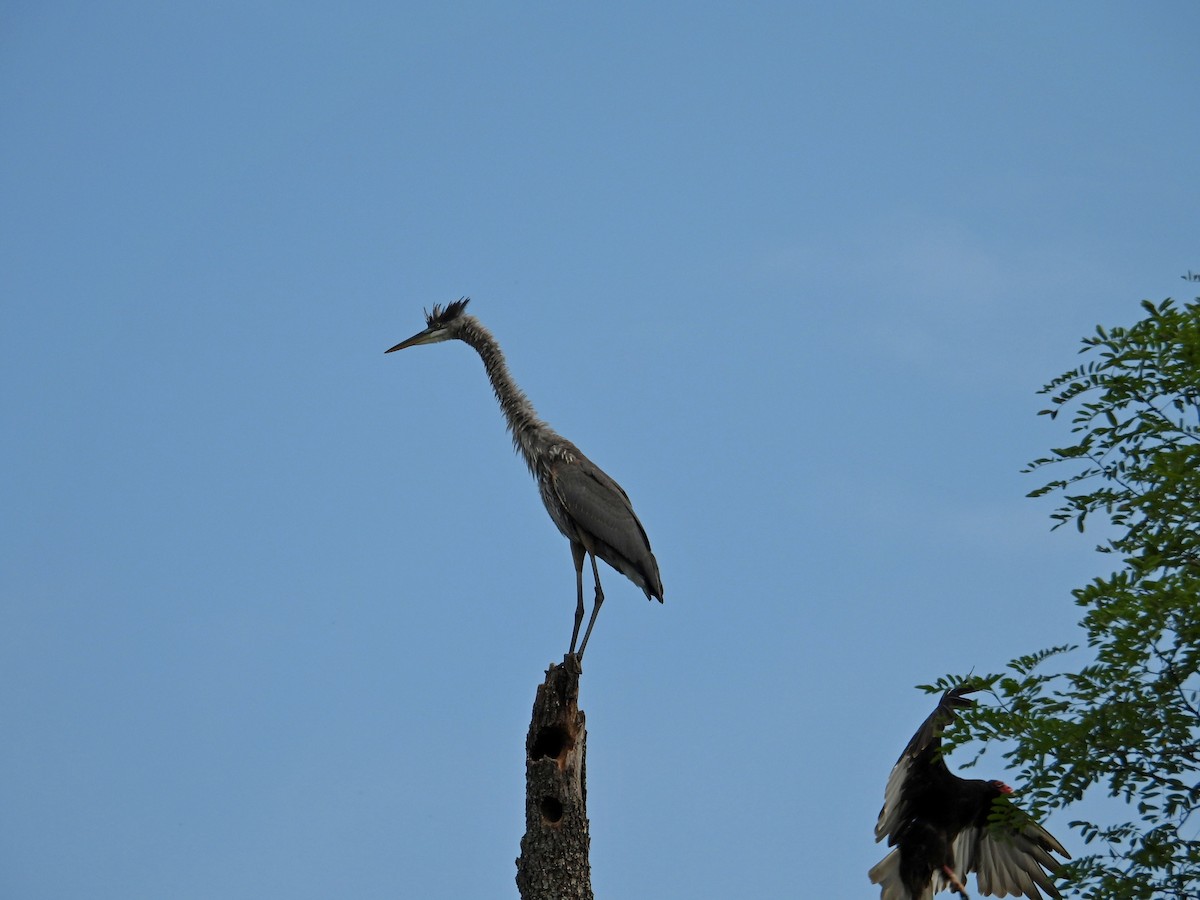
pixel 909 251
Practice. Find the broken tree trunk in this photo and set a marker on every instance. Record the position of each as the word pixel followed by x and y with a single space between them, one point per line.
pixel 554 851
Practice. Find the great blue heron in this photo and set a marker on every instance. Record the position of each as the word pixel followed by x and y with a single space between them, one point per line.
pixel 589 508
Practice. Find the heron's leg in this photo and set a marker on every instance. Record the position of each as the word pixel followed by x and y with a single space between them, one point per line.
pixel 577 553
pixel 595 608
pixel 955 885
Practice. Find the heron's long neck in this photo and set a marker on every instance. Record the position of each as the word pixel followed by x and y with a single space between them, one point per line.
pixel 529 433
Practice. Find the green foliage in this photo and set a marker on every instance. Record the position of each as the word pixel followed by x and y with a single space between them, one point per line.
pixel 1127 722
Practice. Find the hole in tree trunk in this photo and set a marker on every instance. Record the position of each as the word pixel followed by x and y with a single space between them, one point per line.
pixel 552 810
pixel 549 743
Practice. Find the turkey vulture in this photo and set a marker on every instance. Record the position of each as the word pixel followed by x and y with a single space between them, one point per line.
pixel 938 824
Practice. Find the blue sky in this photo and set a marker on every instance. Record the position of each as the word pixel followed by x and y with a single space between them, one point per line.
pixel 275 604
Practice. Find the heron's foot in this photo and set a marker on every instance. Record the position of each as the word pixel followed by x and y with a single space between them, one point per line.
pixel 955 885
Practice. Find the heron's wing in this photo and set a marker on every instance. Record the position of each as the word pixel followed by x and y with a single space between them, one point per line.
pixel 923 751
pixel 600 508
pixel 1012 856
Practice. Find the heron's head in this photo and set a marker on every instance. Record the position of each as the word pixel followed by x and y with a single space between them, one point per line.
pixel 440 325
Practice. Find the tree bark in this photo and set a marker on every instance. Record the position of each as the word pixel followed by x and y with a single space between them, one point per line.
pixel 554 851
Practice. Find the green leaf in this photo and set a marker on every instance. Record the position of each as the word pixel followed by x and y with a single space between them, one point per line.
pixel 1123 718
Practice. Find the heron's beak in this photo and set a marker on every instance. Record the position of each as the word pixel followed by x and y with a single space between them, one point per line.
pixel 423 337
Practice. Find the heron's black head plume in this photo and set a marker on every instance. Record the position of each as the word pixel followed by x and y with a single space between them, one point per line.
pixel 440 317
